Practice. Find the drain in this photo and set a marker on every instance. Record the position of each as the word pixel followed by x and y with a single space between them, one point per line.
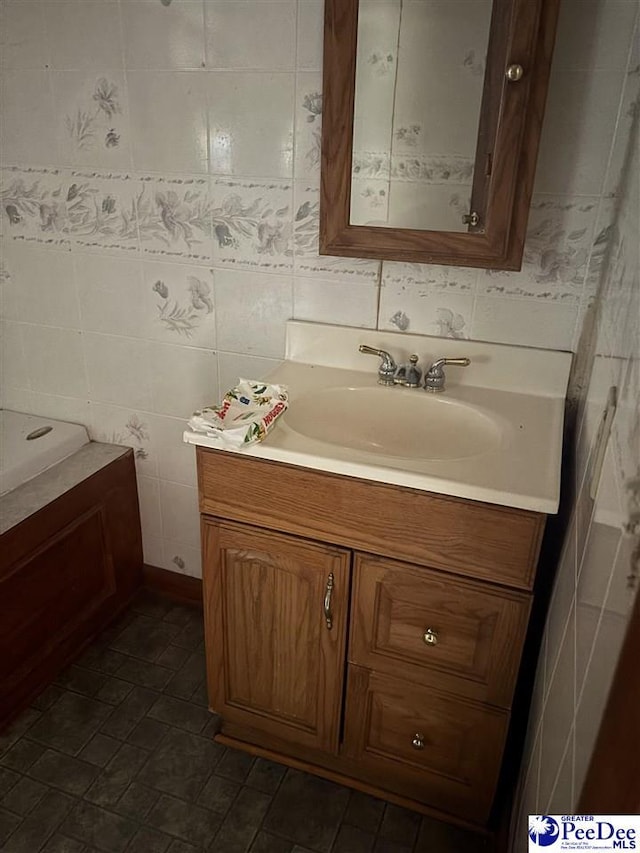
pixel 38 433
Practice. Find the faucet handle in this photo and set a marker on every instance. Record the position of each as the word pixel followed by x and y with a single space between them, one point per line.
pixel 434 378
pixel 461 362
pixel 387 369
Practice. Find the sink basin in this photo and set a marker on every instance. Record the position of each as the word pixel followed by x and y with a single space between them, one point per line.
pixel 406 424
pixel 494 434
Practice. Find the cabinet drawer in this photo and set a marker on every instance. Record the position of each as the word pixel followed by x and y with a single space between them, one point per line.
pixel 433 628
pixel 423 744
pixel 464 537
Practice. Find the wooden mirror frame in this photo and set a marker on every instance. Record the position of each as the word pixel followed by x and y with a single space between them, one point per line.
pixel 522 32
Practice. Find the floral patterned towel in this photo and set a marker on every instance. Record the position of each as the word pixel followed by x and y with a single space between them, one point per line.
pixel 245 415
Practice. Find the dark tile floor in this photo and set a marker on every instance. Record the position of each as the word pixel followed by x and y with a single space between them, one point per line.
pixel 118 756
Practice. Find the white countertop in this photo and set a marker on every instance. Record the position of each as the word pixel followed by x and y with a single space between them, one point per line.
pixel 521 389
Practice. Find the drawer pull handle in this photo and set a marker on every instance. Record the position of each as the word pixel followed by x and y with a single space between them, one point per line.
pixel 430 637
pixel 418 741
pixel 328 616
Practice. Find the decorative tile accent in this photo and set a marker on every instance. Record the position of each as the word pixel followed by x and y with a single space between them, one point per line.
pixel 308 125
pixel 35 207
pixel 435 278
pixel 181 558
pixel 252 227
pixel 92 210
pixel 102 212
pixel 369 202
pixel 426 307
pixel 306 229
pixel 116 425
pixel 174 216
pixel 180 302
pixel 559 241
pixel 92 117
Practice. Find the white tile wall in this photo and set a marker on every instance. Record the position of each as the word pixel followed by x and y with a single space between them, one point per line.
pixel 24 42
pixel 593 597
pixel 169 120
pixel 160 175
pixel 83 35
pixel 250 34
pixel 171 40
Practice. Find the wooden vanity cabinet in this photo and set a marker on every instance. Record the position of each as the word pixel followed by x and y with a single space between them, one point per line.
pixel 372 632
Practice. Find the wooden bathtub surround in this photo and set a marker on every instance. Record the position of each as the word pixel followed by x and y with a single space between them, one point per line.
pixel 370 633
pixel 65 572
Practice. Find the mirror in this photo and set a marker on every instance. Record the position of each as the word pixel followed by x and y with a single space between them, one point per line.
pixel 414 144
pixel 432 111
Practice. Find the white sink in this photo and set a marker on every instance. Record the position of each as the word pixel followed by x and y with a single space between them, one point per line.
pixel 403 423
pixel 494 434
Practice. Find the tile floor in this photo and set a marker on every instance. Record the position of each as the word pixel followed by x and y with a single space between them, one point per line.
pixel 118 756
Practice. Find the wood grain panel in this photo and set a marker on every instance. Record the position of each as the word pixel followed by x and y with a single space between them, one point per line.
pixel 278 668
pixel 475 539
pixel 480 629
pixel 50 580
pixel 457 768
pixel 523 31
pixel 65 572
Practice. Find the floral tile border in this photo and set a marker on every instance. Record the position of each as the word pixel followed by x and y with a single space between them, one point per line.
pixel 414 167
pixel 429 278
pixel 174 218
pixel 252 224
pixel 30 197
pixel 64 207
pixel 556 255
pixel 306 224
pixel 106 219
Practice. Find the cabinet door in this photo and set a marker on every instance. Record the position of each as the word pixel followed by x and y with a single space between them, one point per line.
pixel 275 619
pixel 430 746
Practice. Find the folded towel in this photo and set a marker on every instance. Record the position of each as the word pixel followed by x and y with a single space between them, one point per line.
pixel 245 415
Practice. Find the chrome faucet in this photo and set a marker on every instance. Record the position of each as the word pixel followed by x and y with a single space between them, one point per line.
pixel 387 368
pixel 434 378
pixel 409 374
